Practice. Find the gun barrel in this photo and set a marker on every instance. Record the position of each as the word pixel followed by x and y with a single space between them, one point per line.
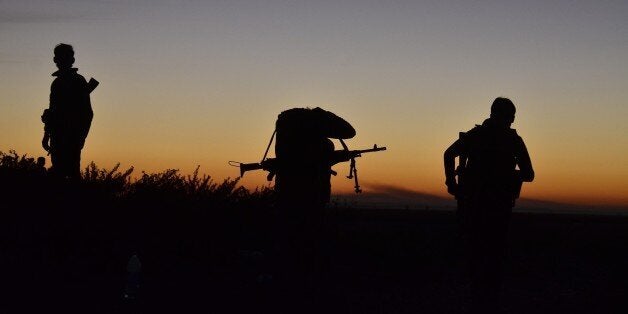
pixel 370 150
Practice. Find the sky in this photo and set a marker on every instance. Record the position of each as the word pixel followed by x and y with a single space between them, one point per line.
pixel 189 83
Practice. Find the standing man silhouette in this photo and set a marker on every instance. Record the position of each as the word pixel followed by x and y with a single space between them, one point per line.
pixel 486 188
pixel 69 116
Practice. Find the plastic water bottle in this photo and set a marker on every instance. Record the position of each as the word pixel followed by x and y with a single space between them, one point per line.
pixel 132 287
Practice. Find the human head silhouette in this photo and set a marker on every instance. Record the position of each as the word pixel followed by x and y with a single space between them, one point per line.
pixel 41 162
pixel 503 110
pixel 64 56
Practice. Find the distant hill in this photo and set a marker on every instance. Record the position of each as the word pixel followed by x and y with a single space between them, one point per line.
pixel 526 204
pixel 388 196
pixel 382 196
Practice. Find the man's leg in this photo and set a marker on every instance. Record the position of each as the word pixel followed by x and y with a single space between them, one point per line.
pixel 60 162
pixel 497 248
pixel 74 163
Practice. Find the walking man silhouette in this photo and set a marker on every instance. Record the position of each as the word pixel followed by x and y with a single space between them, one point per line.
pixel 486 187
pixel 69 116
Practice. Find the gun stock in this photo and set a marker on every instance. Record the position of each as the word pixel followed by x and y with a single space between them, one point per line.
pixel 268 165
pixel 92 84
pixel 248 167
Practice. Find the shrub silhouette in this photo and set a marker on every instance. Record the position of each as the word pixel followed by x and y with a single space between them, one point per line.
pixel 167 218
pixel 23 172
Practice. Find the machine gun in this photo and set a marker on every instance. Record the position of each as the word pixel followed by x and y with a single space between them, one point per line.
pixel 271 164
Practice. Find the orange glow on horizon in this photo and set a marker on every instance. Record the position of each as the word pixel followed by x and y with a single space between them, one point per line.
pixel 203 83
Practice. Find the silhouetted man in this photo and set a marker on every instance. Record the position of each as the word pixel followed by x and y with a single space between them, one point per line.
pixel 487 186
pixel 69 116
pixel 305 155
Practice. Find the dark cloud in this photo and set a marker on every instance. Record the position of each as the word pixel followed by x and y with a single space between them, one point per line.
pixel 30 12
pixel 10 61
pixel 15 58
pixel 35 17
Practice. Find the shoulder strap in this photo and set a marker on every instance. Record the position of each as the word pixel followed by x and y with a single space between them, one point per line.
pixel 269 143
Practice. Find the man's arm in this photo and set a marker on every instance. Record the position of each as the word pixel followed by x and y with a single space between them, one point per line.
pixel 449 157
pixel 45 141
pixel 48 116
pixel 526 173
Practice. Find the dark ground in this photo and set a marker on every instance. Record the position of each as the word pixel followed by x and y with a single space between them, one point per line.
pixel 382 261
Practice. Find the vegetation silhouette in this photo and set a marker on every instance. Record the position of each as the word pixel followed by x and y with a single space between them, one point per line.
pixel 205 248
pixel 61 232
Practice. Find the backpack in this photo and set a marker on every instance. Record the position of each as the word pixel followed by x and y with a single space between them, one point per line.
pixel 487 168
pixel 303 150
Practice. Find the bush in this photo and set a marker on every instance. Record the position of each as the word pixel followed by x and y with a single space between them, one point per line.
pixel 115 184
pixel 108 215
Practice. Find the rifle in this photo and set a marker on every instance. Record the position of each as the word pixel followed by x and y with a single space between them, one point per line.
pixel 271 164
pixel 91 85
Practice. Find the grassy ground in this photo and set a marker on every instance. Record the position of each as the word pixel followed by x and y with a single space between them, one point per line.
pixel 216 248
pixel 380 262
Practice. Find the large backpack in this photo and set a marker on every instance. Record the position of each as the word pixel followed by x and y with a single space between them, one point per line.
pixel 303 152
pixel 488 165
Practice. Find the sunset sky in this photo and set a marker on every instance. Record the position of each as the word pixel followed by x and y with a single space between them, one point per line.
pixel 187 83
